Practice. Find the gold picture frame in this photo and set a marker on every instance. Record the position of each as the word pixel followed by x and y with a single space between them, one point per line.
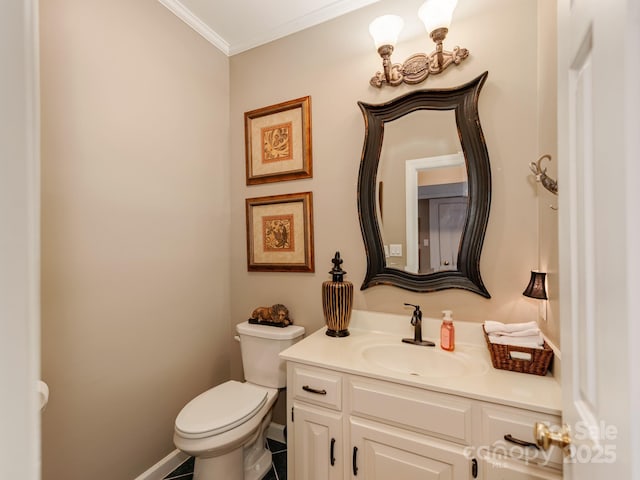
pixel 280 233
pixel 278 142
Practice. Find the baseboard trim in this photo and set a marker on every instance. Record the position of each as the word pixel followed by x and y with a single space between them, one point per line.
pixel 165 466
pixel 275 431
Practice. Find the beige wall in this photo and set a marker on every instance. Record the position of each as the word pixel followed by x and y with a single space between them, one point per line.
pixel 333 63
pixel 135 295
pixel 547 144
pixel 439 176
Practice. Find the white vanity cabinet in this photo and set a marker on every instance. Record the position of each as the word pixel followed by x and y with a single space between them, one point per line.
pixel 315 424
pixel 370 407
pixel 346 426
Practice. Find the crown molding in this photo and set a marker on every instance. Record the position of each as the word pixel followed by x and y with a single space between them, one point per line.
pixel 187 16
pixel 311 19
pixel 315 17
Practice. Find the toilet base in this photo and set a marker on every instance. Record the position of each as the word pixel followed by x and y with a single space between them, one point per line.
pixel 257 456
pixel 260 468
pixel 248 462
pixel 232 466
pixel 228 466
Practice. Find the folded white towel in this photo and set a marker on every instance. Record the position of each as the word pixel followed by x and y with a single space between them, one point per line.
pixel 491 326
pixel 531 341
pixel 522 333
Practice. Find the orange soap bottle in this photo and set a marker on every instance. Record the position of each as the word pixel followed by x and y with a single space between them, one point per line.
pixel 447 332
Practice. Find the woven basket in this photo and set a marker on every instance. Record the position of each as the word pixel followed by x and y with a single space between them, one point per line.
pixel 501 357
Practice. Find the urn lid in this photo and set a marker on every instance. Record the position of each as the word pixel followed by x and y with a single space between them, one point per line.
pixel 337 272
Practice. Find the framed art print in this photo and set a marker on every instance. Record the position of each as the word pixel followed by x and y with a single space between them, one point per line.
pixel 278 142
pixel 280 233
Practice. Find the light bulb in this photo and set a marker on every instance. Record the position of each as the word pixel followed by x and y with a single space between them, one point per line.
pixel 437 14
pixel 385 30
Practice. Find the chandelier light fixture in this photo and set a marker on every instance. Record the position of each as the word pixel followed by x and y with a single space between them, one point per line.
pixel 436 16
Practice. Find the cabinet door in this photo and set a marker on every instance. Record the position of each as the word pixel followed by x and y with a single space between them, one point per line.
pixel 382 452
pixel 497 468
pixel 500 422
pixel 317 454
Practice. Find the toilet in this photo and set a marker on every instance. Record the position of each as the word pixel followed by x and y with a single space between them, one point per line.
pixel 225 427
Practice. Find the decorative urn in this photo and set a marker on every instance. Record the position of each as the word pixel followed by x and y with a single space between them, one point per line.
pixel 337 300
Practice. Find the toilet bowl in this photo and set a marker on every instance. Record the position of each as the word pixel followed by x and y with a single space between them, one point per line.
pixel 224 428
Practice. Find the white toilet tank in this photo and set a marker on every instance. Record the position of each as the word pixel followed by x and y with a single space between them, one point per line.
pixel 260 346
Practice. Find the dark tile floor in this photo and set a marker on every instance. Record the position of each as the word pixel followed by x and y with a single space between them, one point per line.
pixel 278 467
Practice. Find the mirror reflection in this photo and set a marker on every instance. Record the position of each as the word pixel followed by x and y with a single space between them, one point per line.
pixel 423 192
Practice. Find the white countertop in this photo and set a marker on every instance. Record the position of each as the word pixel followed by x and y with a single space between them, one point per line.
pixel 540 393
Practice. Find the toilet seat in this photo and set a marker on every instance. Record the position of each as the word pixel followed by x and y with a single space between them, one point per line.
pixel 220 409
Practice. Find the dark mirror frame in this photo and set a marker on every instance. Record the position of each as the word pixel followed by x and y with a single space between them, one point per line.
pixel 464 101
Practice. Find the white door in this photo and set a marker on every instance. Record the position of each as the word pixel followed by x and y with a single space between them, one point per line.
pixel 446 221
pixel 599 224
pixel 19 249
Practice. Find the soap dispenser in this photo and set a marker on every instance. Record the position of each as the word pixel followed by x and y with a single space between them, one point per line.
pixel 447 332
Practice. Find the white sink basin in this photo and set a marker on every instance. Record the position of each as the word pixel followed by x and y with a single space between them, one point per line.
pixel 423 361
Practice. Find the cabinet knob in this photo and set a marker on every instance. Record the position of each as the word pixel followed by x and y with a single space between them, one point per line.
pixel 545 437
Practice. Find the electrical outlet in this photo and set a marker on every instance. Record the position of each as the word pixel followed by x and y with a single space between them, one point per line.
pixel 395 250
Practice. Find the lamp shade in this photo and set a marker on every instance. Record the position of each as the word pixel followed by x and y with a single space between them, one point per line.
pixel 385 30
pixel 536 287
pixel 437 13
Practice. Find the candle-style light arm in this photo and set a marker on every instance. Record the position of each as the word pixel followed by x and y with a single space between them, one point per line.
pixel 417 67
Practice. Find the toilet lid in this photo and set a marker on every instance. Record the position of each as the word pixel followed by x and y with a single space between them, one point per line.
pixel 220 409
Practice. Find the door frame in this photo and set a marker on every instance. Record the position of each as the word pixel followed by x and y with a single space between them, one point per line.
pixel 20 241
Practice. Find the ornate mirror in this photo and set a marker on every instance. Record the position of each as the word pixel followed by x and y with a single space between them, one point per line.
pixel 424 192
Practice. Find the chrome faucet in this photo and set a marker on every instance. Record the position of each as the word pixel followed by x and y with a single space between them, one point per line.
pixel 416 321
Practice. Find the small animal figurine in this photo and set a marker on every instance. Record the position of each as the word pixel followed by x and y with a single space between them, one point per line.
pixel 277 315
